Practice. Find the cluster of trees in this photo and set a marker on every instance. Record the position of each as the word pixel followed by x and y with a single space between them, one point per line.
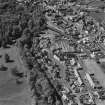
pixel 42 87
pixel 20 21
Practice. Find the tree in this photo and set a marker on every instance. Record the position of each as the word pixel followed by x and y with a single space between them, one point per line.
pixel 15 72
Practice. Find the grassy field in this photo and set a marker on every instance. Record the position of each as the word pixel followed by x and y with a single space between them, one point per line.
pixel 10 92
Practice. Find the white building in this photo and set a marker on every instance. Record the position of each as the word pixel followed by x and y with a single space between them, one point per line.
pixel 64 97
pixel 96 93
pixel 78 76
pixel 78 65
pixel 72 61
pixel 56 57
pixel 90 80
pixel 92 55
pixel 91 97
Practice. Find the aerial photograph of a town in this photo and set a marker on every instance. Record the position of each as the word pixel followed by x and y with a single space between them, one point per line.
pixel 52 52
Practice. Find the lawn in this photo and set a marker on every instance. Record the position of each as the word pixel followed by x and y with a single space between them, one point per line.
pixel 10 92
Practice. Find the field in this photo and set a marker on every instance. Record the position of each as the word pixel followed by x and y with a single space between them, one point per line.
pixel 10 92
